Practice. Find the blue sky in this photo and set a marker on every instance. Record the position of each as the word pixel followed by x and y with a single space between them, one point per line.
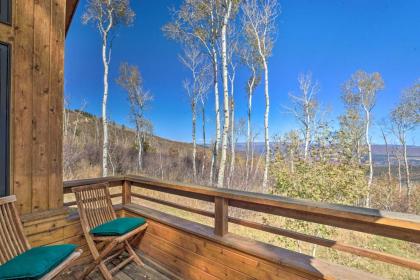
pixel 330 38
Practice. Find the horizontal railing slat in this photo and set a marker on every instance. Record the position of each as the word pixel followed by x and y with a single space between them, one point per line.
pixel 362 252
pixel 389 224
pixel 382 223
pixel 72 203
pixel 113 181
pixel 174 205
pixel 375 255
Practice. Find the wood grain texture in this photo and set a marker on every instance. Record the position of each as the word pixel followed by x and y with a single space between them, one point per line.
pixel 22 64
pixel 40 112
pixel 56 103
pixel 253 258
pixel 221 216
pixel 37 103
pixel 384 223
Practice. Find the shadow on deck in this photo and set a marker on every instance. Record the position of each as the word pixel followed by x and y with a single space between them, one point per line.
pixel 150 271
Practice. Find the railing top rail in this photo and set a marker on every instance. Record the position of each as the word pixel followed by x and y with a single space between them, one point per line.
pixel 280 201
pixel 385 223
pixel 67 185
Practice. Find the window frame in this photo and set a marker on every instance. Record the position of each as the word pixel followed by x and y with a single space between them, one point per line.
pixel 6 11
pixel 5 78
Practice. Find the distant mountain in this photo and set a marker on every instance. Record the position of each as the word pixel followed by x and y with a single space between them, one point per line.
pixel 379 153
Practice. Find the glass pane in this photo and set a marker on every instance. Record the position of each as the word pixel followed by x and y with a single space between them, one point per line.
pixel 4 118
pixel 5 11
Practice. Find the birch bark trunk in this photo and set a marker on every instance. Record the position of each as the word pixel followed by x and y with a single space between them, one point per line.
pixel 232 129
pixel 104 105
pixel 370 157
pixel 407 171
pixel 388 158
pixel 217 112
pixel 249 132
pixel 203 115
pixel 266 132
pixel 194 153
pixel 221 174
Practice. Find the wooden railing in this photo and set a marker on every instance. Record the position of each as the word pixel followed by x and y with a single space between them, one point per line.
pixel 382 223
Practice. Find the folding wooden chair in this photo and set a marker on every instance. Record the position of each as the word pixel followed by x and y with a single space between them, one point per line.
pixel 106 235
pixel 18 260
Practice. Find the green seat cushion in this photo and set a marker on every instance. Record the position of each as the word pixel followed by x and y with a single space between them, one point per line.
pixel 118 226
pixel 36 262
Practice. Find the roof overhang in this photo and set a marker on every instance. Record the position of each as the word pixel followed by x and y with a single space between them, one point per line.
pixel 71 6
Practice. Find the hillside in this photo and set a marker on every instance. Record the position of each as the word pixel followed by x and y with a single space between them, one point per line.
pixel 379 153
pixel 83 141
pixel 82 150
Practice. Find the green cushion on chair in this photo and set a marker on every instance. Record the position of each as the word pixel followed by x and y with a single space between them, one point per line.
pixel 36 262
pixel 118 226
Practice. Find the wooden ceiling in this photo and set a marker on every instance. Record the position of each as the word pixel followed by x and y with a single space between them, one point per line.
pixel 71 6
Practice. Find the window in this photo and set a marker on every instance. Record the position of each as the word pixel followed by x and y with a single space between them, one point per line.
pixel 5 11
pixel 4 117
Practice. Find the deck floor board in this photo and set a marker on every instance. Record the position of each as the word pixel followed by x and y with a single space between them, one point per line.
pixel 129 272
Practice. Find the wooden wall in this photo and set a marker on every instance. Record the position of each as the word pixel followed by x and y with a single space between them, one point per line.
pixel 192 257
pixel 37 37
pixel 192 251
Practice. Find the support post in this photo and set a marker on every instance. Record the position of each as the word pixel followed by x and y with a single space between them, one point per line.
pixel 126 192
pixel 221 216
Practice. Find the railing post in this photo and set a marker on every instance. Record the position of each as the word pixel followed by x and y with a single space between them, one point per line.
pixel 221 216
pixel 126 192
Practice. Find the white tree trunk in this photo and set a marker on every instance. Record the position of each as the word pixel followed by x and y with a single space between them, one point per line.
pixel 370 179
pixel 217 111
pixel 266 132
pixel 307 139
pixel 194 151
pixel 221 175
pixel 407 171
pixel 248 139
pixel 399 175
pixel 232 143
pixel 104 107
pixel 203 114
pixel 388 158
pixel 249 132
pixel 140 152
pixel 232 130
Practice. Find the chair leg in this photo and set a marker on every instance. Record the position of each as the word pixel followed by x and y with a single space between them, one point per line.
pixel 98 260
pixel 87 270
pixel 132 253
pixel 104 270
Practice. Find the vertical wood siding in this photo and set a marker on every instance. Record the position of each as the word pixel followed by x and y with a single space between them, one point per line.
pixel 38 69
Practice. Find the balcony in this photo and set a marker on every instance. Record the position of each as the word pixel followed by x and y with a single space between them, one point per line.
pixel 179 244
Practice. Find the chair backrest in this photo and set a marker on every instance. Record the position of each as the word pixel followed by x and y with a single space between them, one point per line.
pixel 13 241
pixel 94 205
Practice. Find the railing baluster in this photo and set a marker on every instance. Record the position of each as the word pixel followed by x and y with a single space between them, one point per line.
pixel 221 216
pixel 126 192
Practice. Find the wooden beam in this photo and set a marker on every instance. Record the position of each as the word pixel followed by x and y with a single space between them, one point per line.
pixel 291 261
pixel 22 66
pixel 337 245
pixel 174 205
pixel 111 180
pixel 180 192
pixel 221 208
pixel 384 223
pixel 71 6
pixel 126 192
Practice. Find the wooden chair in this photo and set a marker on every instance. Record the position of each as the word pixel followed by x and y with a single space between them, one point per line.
pixel 14 245
pixel 95 210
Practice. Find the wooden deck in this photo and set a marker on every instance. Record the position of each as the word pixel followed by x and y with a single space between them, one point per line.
pixel 151 271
